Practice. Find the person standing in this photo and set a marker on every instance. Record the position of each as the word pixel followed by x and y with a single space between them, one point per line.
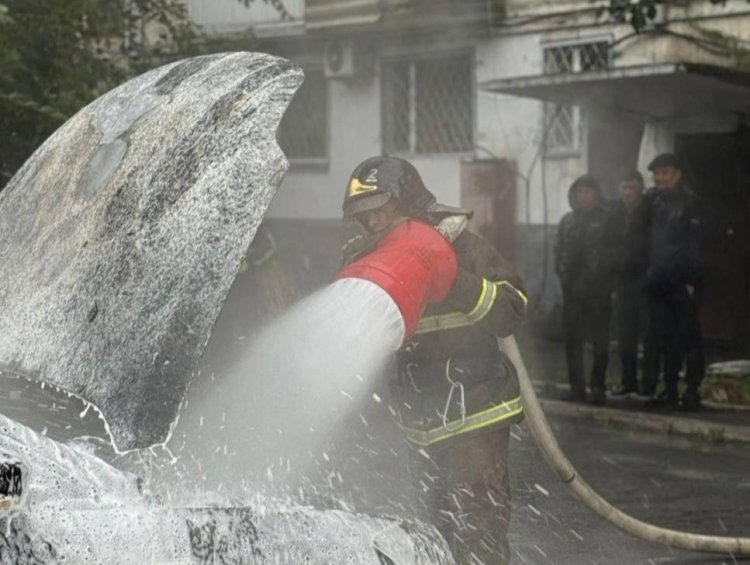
pixel 631 270
pixel 456 392
pixel 670 221
pixel 583 261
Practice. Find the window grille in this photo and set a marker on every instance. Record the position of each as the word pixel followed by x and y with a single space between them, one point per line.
pixel 593 56
pixel 428 105
pixel 558 59
pixel 564 124
pixel 576 58
pixel 303 132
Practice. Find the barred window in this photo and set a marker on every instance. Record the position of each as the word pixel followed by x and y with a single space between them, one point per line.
pixel 303 132
pixel 428 105
pixel 564 124
pixel 576 58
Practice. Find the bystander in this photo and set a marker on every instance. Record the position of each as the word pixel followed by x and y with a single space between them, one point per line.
pixel 631 270
pixel 670 223
pixel 583 260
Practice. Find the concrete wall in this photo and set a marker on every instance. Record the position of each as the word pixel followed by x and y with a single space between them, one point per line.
pixel 315 191
pixel 505 126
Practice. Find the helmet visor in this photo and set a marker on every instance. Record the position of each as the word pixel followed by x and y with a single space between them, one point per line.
pixel 365 203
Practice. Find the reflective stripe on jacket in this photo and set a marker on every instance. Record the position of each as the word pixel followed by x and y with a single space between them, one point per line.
pixel 452 320
pixel 508 411
pixel 453 379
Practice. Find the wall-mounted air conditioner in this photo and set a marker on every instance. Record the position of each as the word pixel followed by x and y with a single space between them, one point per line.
pixel 344 59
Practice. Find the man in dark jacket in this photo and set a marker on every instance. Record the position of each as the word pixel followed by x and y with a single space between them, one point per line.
pixel 585 246
pixel 670 219
pixel 631 271
pixel 456 392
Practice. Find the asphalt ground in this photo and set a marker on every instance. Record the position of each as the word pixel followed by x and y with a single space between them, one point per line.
pixel 672 482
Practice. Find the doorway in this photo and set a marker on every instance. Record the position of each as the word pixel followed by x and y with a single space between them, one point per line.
pixel 717 167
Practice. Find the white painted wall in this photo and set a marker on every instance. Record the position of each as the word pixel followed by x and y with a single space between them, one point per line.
pixel 316 191
pixel 511 127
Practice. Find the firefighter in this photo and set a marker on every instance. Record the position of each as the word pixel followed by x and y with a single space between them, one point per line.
pixel 456 392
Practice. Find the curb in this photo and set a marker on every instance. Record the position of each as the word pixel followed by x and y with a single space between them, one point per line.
pixel 669 425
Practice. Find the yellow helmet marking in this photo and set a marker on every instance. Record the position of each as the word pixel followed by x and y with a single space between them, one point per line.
pixel 356 187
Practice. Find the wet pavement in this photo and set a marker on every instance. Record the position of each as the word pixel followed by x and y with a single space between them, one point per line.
pixel 676 469
pixel 671 482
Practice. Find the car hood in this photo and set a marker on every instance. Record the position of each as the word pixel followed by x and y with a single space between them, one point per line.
pixel 121 236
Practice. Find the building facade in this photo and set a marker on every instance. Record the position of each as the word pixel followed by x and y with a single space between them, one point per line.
pixel 502 104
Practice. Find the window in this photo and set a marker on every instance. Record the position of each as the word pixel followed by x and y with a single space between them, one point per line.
pixel 563 125
pixel 428 105
pixel 576 58
pixel 303 132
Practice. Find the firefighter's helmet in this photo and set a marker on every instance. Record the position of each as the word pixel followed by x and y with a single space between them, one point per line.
pixel 377 180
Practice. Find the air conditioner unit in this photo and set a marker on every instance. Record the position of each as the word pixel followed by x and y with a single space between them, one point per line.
pixel 343 59
pixel 661 17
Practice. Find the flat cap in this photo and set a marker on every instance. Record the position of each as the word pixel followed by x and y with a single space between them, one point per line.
pixel 665 160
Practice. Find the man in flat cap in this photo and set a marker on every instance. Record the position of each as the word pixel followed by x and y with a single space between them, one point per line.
pixel 671 222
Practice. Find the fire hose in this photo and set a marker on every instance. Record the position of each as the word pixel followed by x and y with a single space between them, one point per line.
pixel 416 265
pixel 545 439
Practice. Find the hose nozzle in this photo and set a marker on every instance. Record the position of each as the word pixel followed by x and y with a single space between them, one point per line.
pixel 415 264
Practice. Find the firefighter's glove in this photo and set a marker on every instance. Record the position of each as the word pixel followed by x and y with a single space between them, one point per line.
pixel 356 248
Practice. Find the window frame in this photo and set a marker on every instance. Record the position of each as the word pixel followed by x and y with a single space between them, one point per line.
pixel 413 60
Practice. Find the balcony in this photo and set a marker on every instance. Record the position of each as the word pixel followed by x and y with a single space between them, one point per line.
pixel 228 17
pixel 332 14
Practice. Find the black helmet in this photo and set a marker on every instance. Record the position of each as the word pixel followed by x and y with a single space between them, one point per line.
pixel 377 180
